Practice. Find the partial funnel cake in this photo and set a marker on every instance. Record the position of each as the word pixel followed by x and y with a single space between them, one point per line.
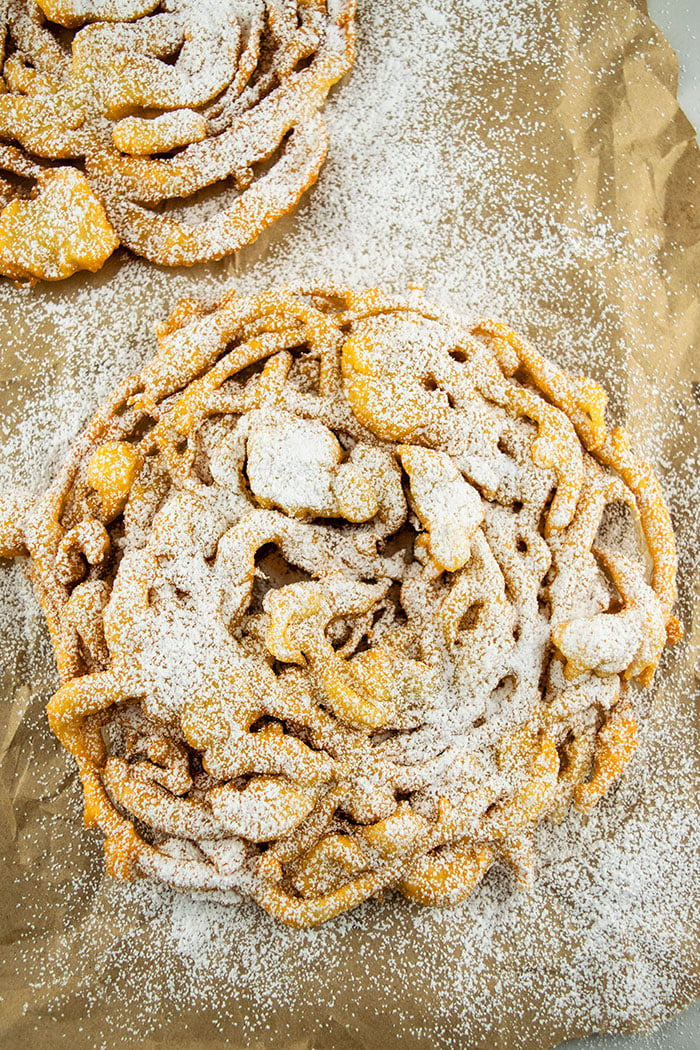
pixel 114 114
pixel 346 596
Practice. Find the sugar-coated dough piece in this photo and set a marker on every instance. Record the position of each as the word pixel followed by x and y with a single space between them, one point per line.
pixel 291 463
pixel 61 230
pixel 75 12
pixel 111 472
pixel 447 505
pixel 140 136
pixel 14 506
pixel 333 603
pixel 606 642
pixel 265 808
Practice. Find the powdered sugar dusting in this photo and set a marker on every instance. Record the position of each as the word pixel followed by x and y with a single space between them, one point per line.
pixel 435 177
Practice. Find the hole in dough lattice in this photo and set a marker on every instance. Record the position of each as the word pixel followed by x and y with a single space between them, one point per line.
pixel 332 605
pixel 119 110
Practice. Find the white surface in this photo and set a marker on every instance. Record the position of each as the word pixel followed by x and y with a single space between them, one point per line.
pixel 679 20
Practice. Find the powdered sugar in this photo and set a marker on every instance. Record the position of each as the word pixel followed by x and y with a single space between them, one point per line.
pixel 429 183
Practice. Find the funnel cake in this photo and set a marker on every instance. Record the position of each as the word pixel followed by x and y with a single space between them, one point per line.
pixel 346 595
pixel 154 102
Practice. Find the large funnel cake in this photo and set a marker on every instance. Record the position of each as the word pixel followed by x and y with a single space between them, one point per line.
pixel 346 595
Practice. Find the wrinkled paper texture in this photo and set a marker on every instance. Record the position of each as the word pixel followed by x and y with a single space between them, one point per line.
pixel 553 182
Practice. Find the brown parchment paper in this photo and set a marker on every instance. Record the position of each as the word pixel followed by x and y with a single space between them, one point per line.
pixel 533 164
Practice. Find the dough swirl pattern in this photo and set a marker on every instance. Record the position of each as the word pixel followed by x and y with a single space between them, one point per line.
pixel 118 113
pixel 346 595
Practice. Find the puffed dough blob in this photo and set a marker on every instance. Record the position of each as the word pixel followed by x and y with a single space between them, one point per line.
pixel 291 463
pixel 111 472
pixel 59 231
pixel 447 505
pixel 297 465
pixel 604 643
pixel 333 599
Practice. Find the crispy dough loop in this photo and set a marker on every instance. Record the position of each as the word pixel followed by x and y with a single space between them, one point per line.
pixel 159 102
pixel 321 635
